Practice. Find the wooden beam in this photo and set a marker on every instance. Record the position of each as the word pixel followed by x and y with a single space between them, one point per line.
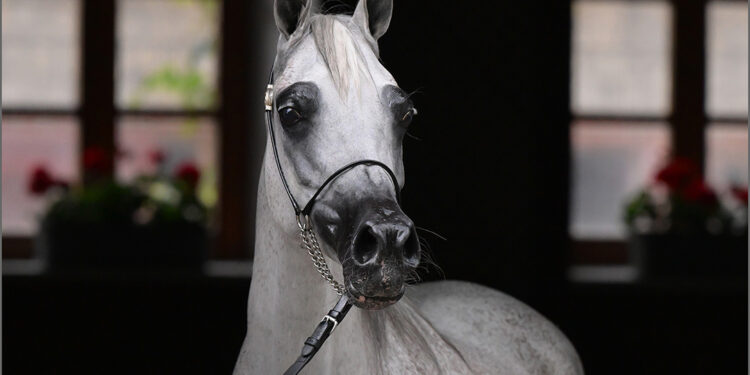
pixel 688 76
pixel 98 75
pixel 233 239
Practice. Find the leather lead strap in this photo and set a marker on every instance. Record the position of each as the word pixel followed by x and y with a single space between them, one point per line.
pixel 319 336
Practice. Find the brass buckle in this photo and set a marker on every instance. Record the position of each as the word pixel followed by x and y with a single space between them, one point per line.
pixel 268 100
pixel 332 320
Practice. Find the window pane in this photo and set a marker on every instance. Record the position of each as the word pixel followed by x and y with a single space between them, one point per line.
pixel 727 59
pixel 178 140
pixel 40 53
pixel 29 142
pixel 611 161
pixel 167 54
pixel 621 56
pixel 726 155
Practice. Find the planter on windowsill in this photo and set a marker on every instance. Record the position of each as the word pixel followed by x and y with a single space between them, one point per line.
pixel 119 245
pixel 699 257
pixel 154 221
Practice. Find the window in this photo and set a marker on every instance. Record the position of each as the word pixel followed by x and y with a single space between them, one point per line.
pixel 161 84
pixel 167 65
pixel 621 87
pixel 131 77
pixel 41 65
pixel 726 59
pixel 726 93
pixel 41 69
pixel 621 58
pixel 639 93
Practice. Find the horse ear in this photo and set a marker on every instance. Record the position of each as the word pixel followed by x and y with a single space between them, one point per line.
pixel 291 14
pixel 374 16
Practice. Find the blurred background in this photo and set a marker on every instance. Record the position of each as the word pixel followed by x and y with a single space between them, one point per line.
pixel 588 157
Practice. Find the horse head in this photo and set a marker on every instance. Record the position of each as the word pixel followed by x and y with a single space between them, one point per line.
pixel 333 104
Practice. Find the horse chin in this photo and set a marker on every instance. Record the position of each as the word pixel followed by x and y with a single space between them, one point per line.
pixel 371 302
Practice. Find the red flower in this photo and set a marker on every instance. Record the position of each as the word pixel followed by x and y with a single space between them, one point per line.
pixel 740 193
pixel 189 173
pixel 699 192
pixel 95 160
pixel 41 180
pixel 678 174
pixel 156 157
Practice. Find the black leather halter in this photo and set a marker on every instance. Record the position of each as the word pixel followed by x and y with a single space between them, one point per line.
pixel 308 207
pixel 337 314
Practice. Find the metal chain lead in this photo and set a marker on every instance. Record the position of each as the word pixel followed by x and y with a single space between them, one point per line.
pixel 310 243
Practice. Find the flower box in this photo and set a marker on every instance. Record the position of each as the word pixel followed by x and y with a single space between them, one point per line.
pixel 700 257
pixel 114 245
pixel 156 220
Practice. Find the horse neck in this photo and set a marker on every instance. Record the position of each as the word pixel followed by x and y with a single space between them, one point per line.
pixel 288 298
pixel 282 270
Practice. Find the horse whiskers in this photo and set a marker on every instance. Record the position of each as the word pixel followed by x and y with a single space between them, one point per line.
pixel 426 261
pixel 424 244
pixel 438 235
pixel 412 278
pixel 414 137
pixel 416 91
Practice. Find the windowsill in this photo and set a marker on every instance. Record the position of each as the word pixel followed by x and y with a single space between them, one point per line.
pixel 609 274
pixel 627 279
pixel 214 269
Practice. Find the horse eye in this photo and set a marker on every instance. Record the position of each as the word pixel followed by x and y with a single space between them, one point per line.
pixel 408 116
pixel 289 116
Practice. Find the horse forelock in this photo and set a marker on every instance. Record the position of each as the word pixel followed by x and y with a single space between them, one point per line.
pixel 342 47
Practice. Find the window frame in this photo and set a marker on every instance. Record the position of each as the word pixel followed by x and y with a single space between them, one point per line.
pixel 688 109
pixel 97 114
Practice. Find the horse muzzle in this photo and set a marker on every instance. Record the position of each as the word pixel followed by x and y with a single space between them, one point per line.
pixel 383 254
pixel 379 251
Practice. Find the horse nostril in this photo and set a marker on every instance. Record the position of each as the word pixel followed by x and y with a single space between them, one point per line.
pixel 411 248
pixel 396 239
pixel 365 246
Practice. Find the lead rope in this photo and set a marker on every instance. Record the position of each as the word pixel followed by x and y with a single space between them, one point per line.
pixel 319 336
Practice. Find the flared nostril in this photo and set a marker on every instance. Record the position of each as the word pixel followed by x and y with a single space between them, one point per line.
pixel 366 244
pixel 393 240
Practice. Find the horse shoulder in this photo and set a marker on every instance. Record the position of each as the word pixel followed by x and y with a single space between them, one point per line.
pixel 494 331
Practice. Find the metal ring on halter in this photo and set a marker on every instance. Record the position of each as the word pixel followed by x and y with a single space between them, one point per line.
pixel 303 221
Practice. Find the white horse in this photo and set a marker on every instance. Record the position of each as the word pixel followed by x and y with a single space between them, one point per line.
pixel 334 103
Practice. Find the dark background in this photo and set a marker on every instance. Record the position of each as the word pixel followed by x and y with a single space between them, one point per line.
pixel 490 173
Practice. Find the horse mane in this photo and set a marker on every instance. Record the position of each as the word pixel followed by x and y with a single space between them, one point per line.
pixel 401 326
pixel 397 321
